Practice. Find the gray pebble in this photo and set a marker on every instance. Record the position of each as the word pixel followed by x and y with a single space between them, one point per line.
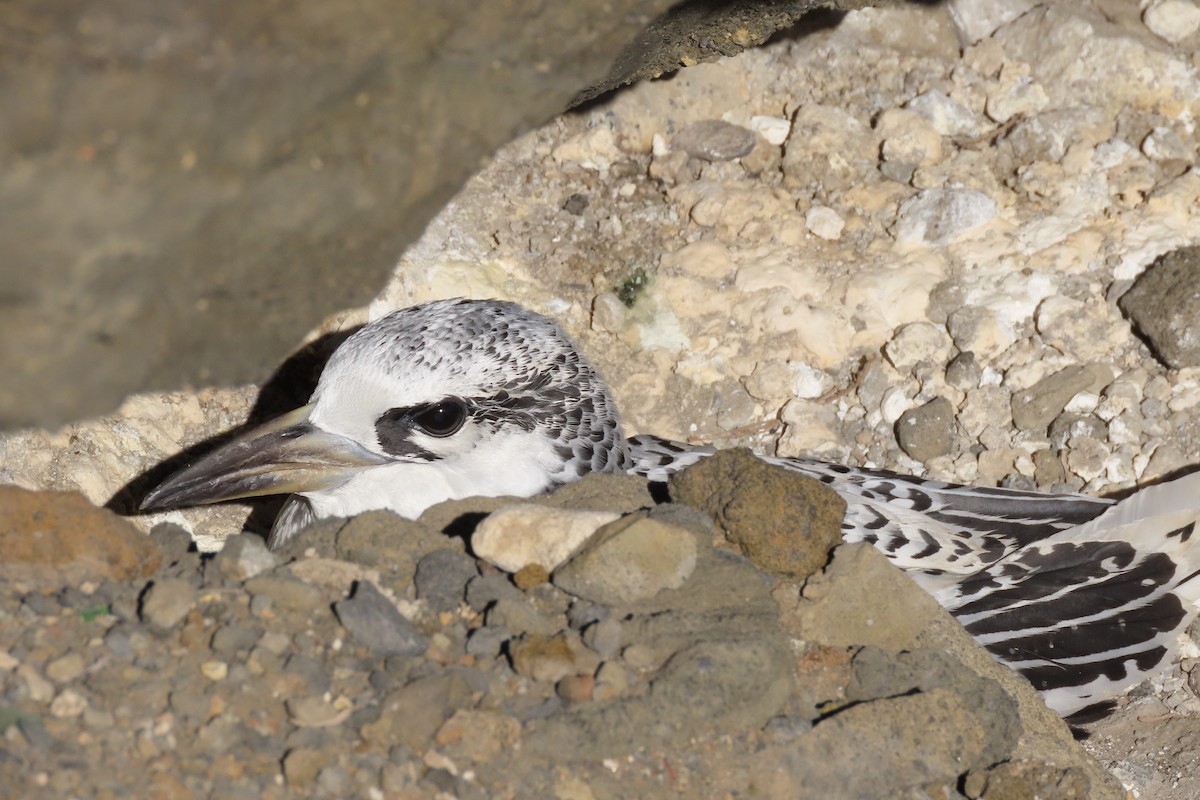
pixel 243 557
pixel 285 593
pixel 927 431
pixel 486 642
pixel 963 372
pixel 1164 306
pixel 374 622
pixel 714 140
pixel 442 577
pixel 167 602
pixel 231 638
pixel 1036 407
pixel 605 637
pixel 519 616
pixel 483 590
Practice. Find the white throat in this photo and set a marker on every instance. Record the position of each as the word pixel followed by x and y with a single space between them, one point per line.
pixel 516 463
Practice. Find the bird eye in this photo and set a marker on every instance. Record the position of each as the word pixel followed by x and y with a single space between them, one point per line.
pixel 441 419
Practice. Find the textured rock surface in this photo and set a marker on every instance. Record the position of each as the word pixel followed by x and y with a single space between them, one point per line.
pixel 782 521
pixel 225 181
pixel 1164 304
pixel 749 326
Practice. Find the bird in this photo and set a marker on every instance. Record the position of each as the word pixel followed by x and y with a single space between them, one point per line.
pixel 447 399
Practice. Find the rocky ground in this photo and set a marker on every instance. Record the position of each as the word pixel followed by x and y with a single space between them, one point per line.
pixel 912 238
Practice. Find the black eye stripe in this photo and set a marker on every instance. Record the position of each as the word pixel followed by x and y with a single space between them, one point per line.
pixel 394 428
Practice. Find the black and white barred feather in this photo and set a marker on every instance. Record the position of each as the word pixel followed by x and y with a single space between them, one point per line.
pixel 1083 596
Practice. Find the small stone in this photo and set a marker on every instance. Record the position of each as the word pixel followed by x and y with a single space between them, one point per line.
pixel 65 668
pixel 948 117
pixel 1165 307
pixel 214 670
pixel 483 590
pixel 1015 94
pixel 1048 468
pixel 168 602
pixel 530 575
pixel 242 557
pixel 575 689
pixel 301 764
pixel 1164 144
pixel 546 660
pixel 1036 407
pixel 232 638
pixel 68 703
pixel 441 578
pixel 963 371
pixel 605 637
pixel 316 712
pixel 377 624
pixel 1172 20
pixel 286 593
pixel 936 216
pixel 335 781
pixel 714 140
pixel 515 536
pixel 774 129
pixel 40 690
pixel 927 432
pixel 783 521
pixel 979 330
pixel 477 735
pixel 612 680
pixel 917 342
pixel 908 138
pixel 824 223
pixel 629 560
pixel 979 19
pixel 519 616
pixel 487 641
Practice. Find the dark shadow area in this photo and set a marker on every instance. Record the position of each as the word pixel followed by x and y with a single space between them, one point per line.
pixel 289 387
pixel 463 526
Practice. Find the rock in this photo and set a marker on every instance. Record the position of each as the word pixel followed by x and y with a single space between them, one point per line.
pixel 783 521
pixel 927 432
pixel 515 536
pixel 441 578
pixel 935 217
pixel 1172 20
pixel 68 704
pixel 519 616
pixel 242 557
pixel 529 576
pixel 549 660
pixel 908 138
pixel 167 602
pixel 979 330
pixel 978 19
pixel 948 117
pixel 942 735
pixel 375 622
pixel 963 371
pixel 477 736
pixel 1036 407
pixel 629 560
pixel 1028 778
pixel 1090 331
pixel 824 223
pixel 714 140
pixel 53 539
pixel 66 668
pixel 1015 94
pixel 1164 306
pixel 483 590
pixel 600 491
pixel 388 541
pixel 604 637
pixel 774 129
pixel 286 593
pixel 836 611
pixel 917 342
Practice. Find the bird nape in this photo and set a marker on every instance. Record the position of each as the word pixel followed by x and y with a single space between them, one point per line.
pixel 457 398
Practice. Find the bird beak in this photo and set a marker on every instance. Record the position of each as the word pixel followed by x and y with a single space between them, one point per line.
pixel 287 455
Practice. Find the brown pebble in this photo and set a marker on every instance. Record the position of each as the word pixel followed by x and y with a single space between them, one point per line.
pixel 530 575
pixel 576 688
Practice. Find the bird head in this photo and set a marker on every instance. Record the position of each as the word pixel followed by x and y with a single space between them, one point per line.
pixel 438 401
